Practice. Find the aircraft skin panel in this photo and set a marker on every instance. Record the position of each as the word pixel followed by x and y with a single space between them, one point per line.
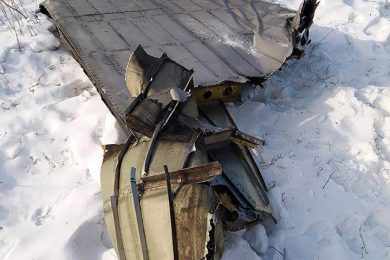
pixel 216 38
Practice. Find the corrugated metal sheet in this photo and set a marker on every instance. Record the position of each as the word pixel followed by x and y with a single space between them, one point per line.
pixel 220 39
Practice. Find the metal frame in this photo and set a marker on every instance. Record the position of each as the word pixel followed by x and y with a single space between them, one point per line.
pixel 138 213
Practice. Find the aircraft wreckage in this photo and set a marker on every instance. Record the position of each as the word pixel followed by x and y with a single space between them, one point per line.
pixel 187 173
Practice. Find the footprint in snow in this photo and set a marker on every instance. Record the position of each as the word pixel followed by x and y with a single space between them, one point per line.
pixel 40 216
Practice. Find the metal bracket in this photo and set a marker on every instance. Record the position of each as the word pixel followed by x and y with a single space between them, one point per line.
pixel 138 213
pixel 172 214
pixel 166 117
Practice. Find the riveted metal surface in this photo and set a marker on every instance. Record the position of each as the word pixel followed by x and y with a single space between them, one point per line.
pixel 223 40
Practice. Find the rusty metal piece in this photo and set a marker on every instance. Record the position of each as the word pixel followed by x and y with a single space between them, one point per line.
pixel 226 92
pixel 196 174
pixel 233 135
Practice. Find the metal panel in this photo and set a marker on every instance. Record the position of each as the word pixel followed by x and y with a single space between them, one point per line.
pixel 206 4
pixel 82 7
pixel 131 33
pixel 107 36
pixel 173 28
pixel 218 66
pixel 153 30
pixel 105 6
pixel 215 38
pixel 189 6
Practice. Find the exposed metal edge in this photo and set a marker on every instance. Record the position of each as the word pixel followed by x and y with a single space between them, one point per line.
pixel 138 214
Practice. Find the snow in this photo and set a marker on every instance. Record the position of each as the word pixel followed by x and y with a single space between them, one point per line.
pixel 52 120
pixel 238 248
pixel 257 238
pixel 325 118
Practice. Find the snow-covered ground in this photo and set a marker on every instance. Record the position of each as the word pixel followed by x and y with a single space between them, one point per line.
pixel 325 118
pixel 52 122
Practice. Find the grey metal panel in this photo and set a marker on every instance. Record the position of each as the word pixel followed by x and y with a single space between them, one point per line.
pixel 173 28
pixel 155 51
pixel 189 6
pixel 234 2
pixel 107 6
pixel 61 9
pixel 230 20
pixel 153 30
pixel 213 37
pixel 235 59
pixel 82 7
pixel 117 99
pixel 121 58
pixel 214 24
pixel 81 38
pixel 253 59
pixel 131 33
pixel 107 36
pixel 194 26
pixel 206 4
pixel 126 5
pixel 146 4
pixel 178 53
pixel 216 65
pixel 201 71
pixel 170 7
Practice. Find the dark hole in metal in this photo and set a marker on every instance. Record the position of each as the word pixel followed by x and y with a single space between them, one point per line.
pixel 228 91
pixel 207 94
